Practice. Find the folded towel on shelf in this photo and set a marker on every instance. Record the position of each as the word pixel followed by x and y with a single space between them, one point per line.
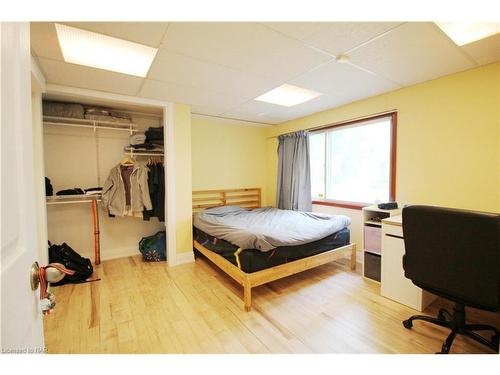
pixel 74 191
pixel 156 141
pixel 93 191
pixel 145 147
pixel 137 139
pixel 62 109
pixel 154 134
pixel 120 115
pixel 106 114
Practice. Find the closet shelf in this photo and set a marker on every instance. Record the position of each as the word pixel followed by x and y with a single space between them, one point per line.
pixel 92 124
pixel 144 153
pixel 66 199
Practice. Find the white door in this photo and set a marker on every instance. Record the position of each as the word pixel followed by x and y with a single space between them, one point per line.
pixel 21 320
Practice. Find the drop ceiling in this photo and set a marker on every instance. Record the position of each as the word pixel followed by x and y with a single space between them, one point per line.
pixel 219 68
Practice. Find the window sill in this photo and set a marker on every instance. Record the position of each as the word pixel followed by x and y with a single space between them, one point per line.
pixel 351 205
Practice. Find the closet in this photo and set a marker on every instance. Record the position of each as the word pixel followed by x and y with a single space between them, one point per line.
pixel 80 153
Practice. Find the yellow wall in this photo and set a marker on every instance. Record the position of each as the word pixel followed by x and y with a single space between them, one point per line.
pixel 182 165
pixel 448 131
pixel 228 154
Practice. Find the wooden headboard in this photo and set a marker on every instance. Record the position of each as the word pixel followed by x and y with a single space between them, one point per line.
pixel 249 198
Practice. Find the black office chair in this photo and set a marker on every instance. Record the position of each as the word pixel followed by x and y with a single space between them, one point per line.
pixel 454 254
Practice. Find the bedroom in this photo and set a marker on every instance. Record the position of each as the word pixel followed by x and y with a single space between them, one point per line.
pixel 434 105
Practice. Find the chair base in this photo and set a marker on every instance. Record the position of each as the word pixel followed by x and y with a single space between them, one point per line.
pixel 456 322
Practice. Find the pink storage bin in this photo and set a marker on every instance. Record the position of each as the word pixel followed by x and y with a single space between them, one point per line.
pixel 372 238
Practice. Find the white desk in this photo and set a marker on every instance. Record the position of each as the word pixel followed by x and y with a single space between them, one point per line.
pixel 394 284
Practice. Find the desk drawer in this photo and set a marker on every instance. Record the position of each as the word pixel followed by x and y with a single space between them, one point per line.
pixel 372 239
pixel 395 230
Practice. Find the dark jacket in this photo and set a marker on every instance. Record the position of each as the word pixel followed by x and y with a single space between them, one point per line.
pixel 156 184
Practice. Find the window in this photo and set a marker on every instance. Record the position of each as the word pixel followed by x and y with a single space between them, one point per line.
pixel 353 164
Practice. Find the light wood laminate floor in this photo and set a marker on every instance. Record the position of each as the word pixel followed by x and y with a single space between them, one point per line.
pixel 140 307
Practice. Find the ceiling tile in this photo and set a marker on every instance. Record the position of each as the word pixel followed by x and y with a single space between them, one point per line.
pixel 218 68
pixel 249 47
pixel 209 111
pixel 484 51
pixel 339 37
pixel 319 104
pixel 262 119
pixel 44 42
pixel 260 108
pixel 254 110
pixel 297 30
pixel 344 80
pixel 188 95
pixel 184 70
pixel 147 33
pixel 62 73
pixel 412 53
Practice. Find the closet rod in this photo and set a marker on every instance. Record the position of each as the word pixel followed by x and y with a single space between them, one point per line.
pixel 88 126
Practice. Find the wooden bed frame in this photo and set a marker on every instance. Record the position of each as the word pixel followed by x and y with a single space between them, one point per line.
pixel 251 198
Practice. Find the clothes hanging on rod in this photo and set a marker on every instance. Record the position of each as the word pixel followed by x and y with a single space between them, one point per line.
pixel 126 191
pixel 156 185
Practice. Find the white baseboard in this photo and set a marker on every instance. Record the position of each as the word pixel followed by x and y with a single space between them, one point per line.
pixel 181 258
pixel 121 252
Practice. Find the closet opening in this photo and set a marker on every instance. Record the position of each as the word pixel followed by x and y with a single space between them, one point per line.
pixel 105 169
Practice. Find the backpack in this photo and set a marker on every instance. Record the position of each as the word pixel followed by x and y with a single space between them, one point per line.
pixel 70 259
pixel 153 248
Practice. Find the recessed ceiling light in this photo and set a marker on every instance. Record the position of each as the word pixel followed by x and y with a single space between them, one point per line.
pixel 467 32
pixel 288 95
pixel 104 52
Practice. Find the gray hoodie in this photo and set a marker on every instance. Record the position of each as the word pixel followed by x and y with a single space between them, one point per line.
pixel 113 191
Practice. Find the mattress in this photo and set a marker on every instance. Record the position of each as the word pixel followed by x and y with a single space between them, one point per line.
pixel 267 228
pixel 252 260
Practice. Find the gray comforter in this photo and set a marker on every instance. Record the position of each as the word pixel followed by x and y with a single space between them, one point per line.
pixel 267 228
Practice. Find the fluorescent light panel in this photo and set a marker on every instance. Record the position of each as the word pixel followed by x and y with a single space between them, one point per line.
pixel 104 52
pixel 467 32
pixel 288 95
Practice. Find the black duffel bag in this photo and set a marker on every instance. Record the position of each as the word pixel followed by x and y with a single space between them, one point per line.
pixel 70 259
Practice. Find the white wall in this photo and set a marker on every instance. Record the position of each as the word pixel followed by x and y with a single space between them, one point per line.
pixel 74 157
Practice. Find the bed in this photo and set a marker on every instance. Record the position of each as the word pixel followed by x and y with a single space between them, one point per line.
pixel 252 267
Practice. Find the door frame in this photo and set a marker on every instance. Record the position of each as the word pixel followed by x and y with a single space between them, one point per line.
pixel 37 89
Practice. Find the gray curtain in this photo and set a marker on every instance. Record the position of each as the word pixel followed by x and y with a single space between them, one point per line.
pixel 294 174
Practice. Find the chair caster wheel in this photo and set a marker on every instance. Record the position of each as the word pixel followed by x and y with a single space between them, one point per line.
pixel 442 314
pixel 407 323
